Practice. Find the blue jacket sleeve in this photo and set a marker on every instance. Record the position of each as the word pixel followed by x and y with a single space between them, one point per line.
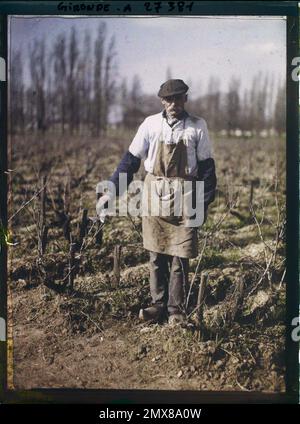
pixel 129 165
pixel 207 173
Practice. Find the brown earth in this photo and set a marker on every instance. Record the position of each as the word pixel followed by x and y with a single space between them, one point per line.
pixel 90 337
pixel 59 341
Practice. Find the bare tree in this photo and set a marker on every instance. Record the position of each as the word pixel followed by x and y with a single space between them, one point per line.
pixel 136 92
pixel 233 105
pixel 133 113
pixel 85 84
pixel 98 79
pixel 60 78
pixel 280 108
pixel 245 123
pixel 109 81
pixel 17 93
pixel 263 84
pixel 50 96
pixel 270 103
pixel 124 98
pixel 38 79
pixel 30 109
pixel 72 97
pixel 213 103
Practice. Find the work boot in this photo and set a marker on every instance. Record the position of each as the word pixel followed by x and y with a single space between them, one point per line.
pixel 177 319
pixel 152 314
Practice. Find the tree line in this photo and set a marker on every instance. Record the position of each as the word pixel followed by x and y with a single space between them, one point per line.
pixel 73 87
pixel 255 110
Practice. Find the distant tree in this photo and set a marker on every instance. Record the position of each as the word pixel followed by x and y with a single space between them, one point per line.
pixel 262 91
pixel 213 103
pixel 245 123
pixel 38 81
pixel 270 103
pixel 280 108
pixel 72 81
pixel 70 88
pixel 109 81
pixel 136 92
pixel 151 104
pixel 17 94
pixel 30 109
pixel 60 78
pixel 233 105
pixel 124 95
pixel 98 108
pixel 133 113
pixel 197 106
pixel 51 100
pixel 85 79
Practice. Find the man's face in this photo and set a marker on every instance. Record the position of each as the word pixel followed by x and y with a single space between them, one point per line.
pixel 174 105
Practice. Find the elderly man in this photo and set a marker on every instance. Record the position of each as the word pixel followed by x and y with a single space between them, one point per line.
pixel 176 148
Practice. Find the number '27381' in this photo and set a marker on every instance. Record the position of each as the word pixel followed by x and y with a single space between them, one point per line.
pixel 172 6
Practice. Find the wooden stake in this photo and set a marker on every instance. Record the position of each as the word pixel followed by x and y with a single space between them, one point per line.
pixel 42 229
pixel 200 300
pixel 117 264
pixel 66 227
pixel 44 239
pixel 43 199
pixel 72 264
pixel 99 234
pixel 251 192
pixel 238 299
pixel 83 226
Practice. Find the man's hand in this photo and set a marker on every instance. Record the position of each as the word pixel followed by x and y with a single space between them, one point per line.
pixel 102 204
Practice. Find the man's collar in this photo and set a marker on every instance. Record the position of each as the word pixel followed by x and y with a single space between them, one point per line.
pixel 174 121
pixel 182 116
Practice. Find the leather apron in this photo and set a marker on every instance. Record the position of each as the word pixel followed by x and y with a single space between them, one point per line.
pixel 167 232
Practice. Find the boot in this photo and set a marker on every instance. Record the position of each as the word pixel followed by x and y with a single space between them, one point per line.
pixel 151 314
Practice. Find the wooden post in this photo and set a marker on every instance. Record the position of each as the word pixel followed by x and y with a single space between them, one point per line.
pixel 43 199
pixel 237 299
pixel 251 192
pixel 66 227
pixel 67 191
pixel 117 264
pixel 83 226
pixel 42 229
pixel 200 300
pixel 44 239
pixel 99 234
pixel 72 264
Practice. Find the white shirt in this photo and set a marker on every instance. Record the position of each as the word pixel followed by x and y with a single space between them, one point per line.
pixel 154 128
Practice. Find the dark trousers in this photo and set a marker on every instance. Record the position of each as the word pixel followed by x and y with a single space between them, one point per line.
pixel 168 281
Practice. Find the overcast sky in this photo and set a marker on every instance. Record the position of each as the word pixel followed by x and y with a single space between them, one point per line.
pixel 194 48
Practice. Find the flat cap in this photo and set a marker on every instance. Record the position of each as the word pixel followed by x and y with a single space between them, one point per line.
pixel 172 87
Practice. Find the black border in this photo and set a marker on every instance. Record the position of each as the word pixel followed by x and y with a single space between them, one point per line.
pixel 3 199
pixel 258 8
pixel 282 8
pixel 292 229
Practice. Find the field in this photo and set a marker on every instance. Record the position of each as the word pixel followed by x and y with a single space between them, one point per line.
pixel 75 288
